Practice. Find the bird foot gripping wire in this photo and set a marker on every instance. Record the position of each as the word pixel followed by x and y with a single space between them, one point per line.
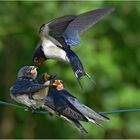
pixel 30 109
pixel 33 110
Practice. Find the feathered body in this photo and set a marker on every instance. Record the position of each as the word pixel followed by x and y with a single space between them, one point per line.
pixel 59 35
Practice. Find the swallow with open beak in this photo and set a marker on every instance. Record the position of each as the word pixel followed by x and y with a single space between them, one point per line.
pixel 90 114
pixel 59 106
pixel 60 34
pixel 27 90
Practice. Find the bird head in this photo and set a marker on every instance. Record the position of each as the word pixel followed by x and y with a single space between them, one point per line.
pixel 28 72
pixel 43 30
pixel 39 56
pixel 58 84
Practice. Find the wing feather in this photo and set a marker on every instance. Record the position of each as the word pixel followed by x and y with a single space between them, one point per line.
pixel 60 104
pixel 83 22
pixel 59 25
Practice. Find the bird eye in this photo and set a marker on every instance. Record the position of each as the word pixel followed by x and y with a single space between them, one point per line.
pixel 28 71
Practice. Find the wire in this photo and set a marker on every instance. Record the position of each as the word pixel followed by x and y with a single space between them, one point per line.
pixel 22 107
pixel 120 111
pixel 45 112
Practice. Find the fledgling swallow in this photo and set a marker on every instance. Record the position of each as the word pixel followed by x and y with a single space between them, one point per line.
pixel 33 92
pixel 90 114
pixel 27 90
pixel 60 34
pixel 59 106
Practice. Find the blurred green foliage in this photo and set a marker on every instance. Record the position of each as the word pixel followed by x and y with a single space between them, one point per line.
pixel 109 51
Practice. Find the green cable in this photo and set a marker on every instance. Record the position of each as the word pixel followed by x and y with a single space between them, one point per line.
pixel 120 111
pixel 22 107
pixel 45 112
pixel 12 105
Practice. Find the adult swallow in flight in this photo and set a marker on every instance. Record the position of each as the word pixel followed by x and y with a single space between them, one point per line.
pixel 27 90
pixel 60 34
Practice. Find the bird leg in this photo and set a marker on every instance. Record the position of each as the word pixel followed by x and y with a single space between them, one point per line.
pixel 31 96
pixel 30 109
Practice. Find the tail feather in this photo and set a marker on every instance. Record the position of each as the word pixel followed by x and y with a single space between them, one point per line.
pixel 92 114
pixel 85 110
pixel 79 82
pixel 88 112
pixel 76 65
pixel 95 122
pixel 89 77
pixel 76 124
pixel 79 126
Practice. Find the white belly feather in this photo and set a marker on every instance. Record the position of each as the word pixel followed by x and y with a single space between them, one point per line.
pixel 52 51
pixel 23 99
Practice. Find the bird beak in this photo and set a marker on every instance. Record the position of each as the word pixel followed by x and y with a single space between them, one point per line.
pixel 58 84
pixel 34 71
pixel 46 77
pixel 39 61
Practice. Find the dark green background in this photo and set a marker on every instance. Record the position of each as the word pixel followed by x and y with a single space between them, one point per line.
pixel 109 51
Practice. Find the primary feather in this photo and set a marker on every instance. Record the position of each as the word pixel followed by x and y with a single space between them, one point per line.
pixel 83 22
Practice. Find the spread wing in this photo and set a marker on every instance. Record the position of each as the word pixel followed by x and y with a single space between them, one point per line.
pixel 59 25
pixel 81 23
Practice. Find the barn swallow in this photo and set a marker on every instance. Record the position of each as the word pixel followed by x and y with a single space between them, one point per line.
pixel 90 114
pixel 27 90
pixel 33 92
pixel 59 106
pixel 60 34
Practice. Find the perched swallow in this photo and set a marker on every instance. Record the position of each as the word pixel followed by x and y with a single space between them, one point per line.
pixel 91 115
pixel 27 90
pixel 60 34
pixel 58 105
pixel 32 92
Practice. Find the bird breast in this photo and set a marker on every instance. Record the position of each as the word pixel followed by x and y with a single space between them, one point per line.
pixel 23 99
pixel 52 51
pixel 41 94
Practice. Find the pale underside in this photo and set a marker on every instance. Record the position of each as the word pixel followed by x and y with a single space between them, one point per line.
pixel 52 51
pixel 36 102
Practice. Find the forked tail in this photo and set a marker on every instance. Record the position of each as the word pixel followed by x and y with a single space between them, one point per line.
pixel 79 126
pixel 76 65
